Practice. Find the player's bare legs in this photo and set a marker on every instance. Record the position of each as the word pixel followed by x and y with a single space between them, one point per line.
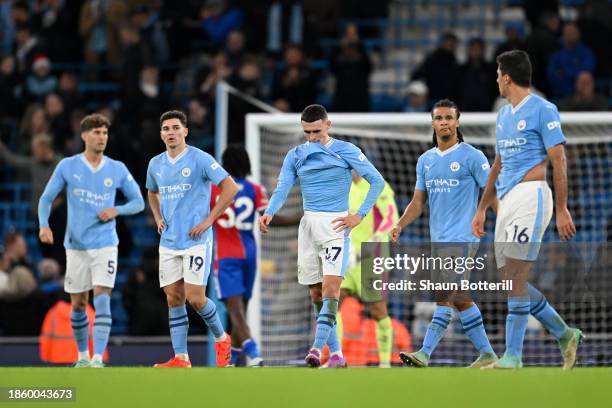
pixel 79 301
pixel 236 311
pixel 241 334
pixel 195 295
pixel 175 294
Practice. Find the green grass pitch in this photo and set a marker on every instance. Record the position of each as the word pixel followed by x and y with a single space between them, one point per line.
pixel 301 387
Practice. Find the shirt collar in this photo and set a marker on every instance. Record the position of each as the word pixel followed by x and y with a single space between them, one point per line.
pixel 521 103
pixel 177 158
pixel 447 151
pixel 90 166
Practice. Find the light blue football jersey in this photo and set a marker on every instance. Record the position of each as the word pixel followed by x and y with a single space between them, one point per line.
pixel 90 190
pixel 524 134
pixel 452 180
pixel 325 177
pixel 183 184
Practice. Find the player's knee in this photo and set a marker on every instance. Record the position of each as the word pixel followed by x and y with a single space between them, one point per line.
pixel 461 306
pixel 198 302
pixel 316 297
pixel 79 302
pixel 331 292
pixel 79 305
pixel 175 299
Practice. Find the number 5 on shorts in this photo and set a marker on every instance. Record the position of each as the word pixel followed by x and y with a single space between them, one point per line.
pixel 111 267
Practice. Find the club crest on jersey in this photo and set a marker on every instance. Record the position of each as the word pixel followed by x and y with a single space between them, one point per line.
pixel 108 182
pixel 455 166
pixel 521 124
pixel 186 172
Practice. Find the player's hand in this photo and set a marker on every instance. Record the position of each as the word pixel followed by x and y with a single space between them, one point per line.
pixel 478 224
pixel 46 235
pixel 197 231
pixel 161 225
pixel 346 223
pixel 565 224
pixel 395 232
pixel 107 214
pixel 264 221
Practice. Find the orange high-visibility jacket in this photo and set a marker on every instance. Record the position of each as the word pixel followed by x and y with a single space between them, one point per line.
pixel 359 344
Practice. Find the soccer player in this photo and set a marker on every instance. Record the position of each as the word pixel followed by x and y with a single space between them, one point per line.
pixel 178 184
pixel 236 251
pixel 91 180
pixel 528 133
pixel 323 165
pixel 373 228
pixel 450 176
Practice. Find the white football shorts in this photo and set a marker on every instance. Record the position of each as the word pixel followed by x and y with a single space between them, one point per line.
pixel 321 250
pixel 522 218
pixel 90 267
pixel 192 264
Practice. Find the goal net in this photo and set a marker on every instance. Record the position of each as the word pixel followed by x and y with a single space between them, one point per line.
pixel 281 314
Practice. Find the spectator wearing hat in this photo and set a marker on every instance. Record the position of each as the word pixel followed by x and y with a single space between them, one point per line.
pixel 417 97
pixel 40 82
